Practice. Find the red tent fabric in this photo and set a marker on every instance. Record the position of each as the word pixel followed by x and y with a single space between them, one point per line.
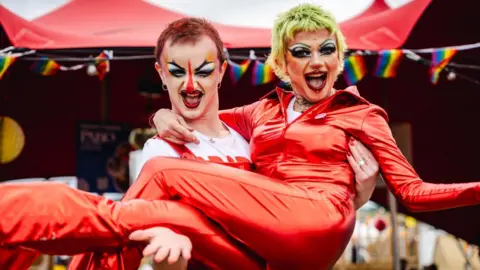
pixel 135 23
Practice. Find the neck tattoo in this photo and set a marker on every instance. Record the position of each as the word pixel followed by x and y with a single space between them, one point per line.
pixel 301 104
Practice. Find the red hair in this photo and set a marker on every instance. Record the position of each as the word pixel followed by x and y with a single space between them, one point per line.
pixel 189 30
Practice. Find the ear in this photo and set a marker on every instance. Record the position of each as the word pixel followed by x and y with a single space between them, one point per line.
pixel 160 71
pixel 223 69
pixel 282 66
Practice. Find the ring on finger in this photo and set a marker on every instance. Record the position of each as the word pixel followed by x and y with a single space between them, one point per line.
pixel 361 162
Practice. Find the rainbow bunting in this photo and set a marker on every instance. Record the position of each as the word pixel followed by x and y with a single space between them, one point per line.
pixel 262 73
pixel 355 69
pixel 103 65
pixel 46 67
pixel 5 62
pixel 440 59
pixel 237 70
pixel 387 63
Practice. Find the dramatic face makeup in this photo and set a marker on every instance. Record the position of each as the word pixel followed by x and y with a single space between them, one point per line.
pixel 192 72
pixel 312 64
pixel 192 96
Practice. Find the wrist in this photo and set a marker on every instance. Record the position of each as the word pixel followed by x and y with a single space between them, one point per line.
pixel 151 120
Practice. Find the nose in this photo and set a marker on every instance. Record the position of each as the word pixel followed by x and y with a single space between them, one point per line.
pixel 317 61
pixel 189 85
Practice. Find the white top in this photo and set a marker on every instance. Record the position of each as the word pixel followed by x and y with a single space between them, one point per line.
pixel 291 114
pixel 231 148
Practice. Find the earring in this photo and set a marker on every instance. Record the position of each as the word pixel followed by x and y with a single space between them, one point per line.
pixel 219 85
pixel 164 87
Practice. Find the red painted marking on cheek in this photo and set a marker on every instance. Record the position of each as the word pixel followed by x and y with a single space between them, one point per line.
pixel 190 86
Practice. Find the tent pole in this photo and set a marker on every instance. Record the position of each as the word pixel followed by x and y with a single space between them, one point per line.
pixel 392 202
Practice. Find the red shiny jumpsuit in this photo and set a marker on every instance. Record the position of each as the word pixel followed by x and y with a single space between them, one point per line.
pixel 207 237
pixel 299 214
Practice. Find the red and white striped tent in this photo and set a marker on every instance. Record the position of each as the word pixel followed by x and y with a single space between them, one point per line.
pixel 55 24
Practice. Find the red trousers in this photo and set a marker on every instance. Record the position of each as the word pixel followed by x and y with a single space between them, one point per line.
pixel 289 226
pixel 56 219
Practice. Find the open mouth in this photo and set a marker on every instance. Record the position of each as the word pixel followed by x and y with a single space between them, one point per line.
pixel 191 100
pixel 316 81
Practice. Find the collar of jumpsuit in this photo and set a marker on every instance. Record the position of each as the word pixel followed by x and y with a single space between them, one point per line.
pixel 341 102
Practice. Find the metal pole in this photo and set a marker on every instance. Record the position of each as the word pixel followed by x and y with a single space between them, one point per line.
pixel 392 202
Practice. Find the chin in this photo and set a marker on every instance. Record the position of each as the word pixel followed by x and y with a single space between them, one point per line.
pixel 191 114
pixel 315 96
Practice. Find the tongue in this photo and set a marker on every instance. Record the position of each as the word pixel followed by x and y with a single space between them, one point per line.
pixel 315 82
pixel 192 100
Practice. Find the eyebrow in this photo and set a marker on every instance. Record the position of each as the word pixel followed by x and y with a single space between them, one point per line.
pixel 299 44
pixel 326 41
pixel 205 62
pixel 175 64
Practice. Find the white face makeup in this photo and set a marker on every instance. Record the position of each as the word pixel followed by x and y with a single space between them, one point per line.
pixel 192 73
pixel 312 64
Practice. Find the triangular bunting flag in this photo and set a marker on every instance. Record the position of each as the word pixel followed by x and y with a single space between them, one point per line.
pixel 5 62
pixel 440 59
pixel 387 63
pixel 46 67
pixel 237 70
pixel 262 73
pixel 102 63
pixel 355 69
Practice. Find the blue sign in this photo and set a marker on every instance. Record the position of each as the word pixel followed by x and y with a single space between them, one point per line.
pixel 102 157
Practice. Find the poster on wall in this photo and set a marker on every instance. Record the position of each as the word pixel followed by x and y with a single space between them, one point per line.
pixel 102 156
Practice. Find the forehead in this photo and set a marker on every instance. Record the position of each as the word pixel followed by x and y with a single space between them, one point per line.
pixel 312 37
pixel 196 51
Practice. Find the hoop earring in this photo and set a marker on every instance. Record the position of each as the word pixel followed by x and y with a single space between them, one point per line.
pixel 164 87
pixel 219 85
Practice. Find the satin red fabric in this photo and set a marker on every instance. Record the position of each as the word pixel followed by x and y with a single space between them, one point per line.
pixel 299 214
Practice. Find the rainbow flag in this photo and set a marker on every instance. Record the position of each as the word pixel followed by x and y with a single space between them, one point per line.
pixel 262 73
pixel 103 65
pixel 387 63
pixel 46 67
pixel 355 69
pixel 5 63
pixel 440 59
pixel 237 70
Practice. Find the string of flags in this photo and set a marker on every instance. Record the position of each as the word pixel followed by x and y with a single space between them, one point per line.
pixel 48 67
pixel 355 69
pixel 388 62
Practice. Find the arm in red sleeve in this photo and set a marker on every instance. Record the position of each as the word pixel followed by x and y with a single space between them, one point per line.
pixel 402 179
pixel 241 119
pixel 56 219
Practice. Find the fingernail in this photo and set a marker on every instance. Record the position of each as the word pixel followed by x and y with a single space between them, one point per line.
pixel 352 142
pixel 348 154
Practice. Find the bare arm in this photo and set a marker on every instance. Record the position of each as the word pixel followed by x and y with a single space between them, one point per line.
pixel 173 128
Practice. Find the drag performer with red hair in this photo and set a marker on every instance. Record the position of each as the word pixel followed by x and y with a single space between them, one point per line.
pixel 186 45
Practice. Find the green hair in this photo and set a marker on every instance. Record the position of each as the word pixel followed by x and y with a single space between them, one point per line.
pixel 304 17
